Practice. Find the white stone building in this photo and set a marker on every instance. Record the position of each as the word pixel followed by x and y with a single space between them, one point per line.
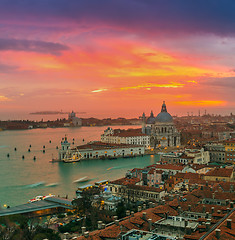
pixel 161 129
pixel 100 150
pixel 74 121
pixel 130 136
pixel 200 156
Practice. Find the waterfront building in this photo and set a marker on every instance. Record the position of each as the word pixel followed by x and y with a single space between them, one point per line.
pixel 74 121
pixel 129 136
pixel 41 207
pixel 65 146
pixel 101 150
pixel 161 129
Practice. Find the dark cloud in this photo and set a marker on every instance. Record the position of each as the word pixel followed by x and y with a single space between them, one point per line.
pixel 7 68
pixel 32 46
pixel 226 82
pixel 177 17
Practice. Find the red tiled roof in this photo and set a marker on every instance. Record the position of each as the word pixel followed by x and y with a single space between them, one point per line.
pixel 101 145
pixel 226 186
pixel 226 233
pixel 126 181
pixel 230 141
pixel 169 166
pixel 126 224
pixel 174 203
pixel 220 172
pixel 145 188
pixel 129 133
pixel 187 175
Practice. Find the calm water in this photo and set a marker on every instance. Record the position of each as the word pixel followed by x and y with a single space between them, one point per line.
pixel 23 179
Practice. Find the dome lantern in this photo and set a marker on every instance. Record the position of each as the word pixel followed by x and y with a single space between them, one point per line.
pixel 164 116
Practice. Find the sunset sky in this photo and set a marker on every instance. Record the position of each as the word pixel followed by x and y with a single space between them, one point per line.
pixel 117 58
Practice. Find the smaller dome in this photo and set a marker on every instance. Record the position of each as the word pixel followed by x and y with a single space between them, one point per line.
pixel 151 119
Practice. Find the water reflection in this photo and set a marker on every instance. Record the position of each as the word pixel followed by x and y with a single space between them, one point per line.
pixel 23 179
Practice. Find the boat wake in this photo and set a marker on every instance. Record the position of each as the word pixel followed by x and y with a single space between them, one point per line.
pixel 52 185
pixel 34 185
pixel 81 180
pixel 114 168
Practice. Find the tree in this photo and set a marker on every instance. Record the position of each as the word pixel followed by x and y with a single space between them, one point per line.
pixel 121 210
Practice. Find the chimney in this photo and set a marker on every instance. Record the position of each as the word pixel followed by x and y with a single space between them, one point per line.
pixel 185 223
pixel 207 215
pixel 203 208
pixel 83 230
pixel 231 204
pixel 150 224
pixel 227 202
pixel 189 208
pixel 132 213
pixel 144 215
pixel 208 220
pixel 103 225
pixel 229 223
pixel 115 218
pixel 144 206
pixel 212 210
pixel 207 183
pixel 139 208
pixel 217 233
pixel 163 202
pixel 100 224
pixel 213 195
pixel 231 188
pixel 179 210
pixel 207 226
pixel 86 234
pixel 116 222
pixel 218 211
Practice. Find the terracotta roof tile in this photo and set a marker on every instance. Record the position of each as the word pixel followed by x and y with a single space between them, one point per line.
pixel 220 172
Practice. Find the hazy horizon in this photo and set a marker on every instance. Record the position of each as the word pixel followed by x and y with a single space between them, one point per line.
pixel 4 116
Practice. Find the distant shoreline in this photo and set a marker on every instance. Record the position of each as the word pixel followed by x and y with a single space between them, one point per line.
pixel 52 113
pixel 63 123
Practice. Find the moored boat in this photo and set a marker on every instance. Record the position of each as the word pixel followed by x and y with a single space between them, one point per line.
pixel 71 157
pixel 39 198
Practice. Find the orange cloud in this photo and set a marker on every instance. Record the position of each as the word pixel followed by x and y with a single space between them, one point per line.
pixel 210 103
pixel 151 85
pixel 4 99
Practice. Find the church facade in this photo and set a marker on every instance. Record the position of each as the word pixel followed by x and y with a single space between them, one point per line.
pixel 161 129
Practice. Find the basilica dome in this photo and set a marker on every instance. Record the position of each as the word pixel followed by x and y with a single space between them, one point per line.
pixel 164 116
